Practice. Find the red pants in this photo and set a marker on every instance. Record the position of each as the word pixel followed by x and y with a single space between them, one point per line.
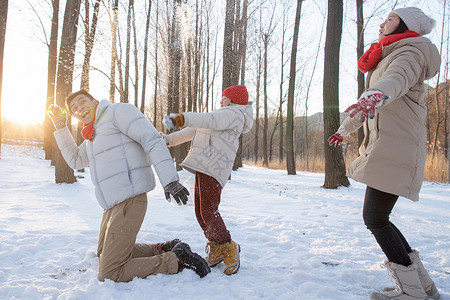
pixel 207 199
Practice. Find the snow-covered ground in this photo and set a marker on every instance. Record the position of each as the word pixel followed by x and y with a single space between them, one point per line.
pixel 298 240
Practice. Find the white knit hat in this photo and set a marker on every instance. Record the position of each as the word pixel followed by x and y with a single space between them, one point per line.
pixel 415 19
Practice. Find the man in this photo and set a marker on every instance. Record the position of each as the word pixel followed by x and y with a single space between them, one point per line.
pixel 120 146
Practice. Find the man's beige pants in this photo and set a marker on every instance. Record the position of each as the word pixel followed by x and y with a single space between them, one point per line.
pixel 120 258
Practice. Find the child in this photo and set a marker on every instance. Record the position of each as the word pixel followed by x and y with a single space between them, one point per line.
pixel 215 140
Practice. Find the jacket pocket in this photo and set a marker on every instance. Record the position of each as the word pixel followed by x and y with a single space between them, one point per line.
pixel 201 139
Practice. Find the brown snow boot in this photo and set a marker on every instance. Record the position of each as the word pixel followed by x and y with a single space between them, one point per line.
pixel 215 255
pixel 407 284
pixel 231 258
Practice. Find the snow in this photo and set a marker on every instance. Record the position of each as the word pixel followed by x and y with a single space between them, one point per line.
pixel 298 240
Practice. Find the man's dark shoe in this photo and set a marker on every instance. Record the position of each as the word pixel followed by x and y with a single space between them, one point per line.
pixel 167 246
pixel 190 260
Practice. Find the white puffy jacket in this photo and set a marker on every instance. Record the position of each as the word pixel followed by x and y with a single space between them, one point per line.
pixel 215 139
pixel 124 146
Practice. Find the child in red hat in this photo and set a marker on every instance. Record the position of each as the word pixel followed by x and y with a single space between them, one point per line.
pixel 215 140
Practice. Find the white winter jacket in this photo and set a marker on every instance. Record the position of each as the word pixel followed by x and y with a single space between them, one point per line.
pixel 215 139
pixel 124 146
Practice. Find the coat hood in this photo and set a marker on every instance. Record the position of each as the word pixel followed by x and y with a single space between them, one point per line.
pixel 424 48
pixel 247 111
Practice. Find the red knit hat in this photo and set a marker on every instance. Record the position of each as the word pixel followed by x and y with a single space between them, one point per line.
pixel 237 93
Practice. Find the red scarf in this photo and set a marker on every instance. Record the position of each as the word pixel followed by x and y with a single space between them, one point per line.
pixel 88 129
pixel 372 57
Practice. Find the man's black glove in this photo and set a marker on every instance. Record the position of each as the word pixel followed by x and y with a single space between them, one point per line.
pixel 177 191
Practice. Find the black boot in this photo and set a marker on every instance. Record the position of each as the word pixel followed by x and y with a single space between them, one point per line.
pixel 167 246
pixel 190 260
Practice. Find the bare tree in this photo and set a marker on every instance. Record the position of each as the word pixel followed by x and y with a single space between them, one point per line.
pixel 240 52
pixel 257 106
pixel 63 173
pixel 89 37
pixel 89 42
pixel 438 108
pixel 49 142
pixel 334 160
pixel 266 35
pixel 196 58
pixel 188 58
pixel 359 53
pixel 3 19
pixel 173 101
pixel 282 100
pixel 124 97
pixel 290 156
pixel 144 67
pixel 114 25
pixel 155 97
pixel 173 90
pixel 136 61
pixel 227 69
pixel 266 113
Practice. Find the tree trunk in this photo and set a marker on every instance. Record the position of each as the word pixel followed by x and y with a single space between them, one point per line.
pixel 136 62
pixel 196 58
pixel 190 96
pixel 144 68
pixel 89 45
pixel 124 97
pixel 438 113
pixel 63 173
pixel 290 156
pixel 173 99
pixel 227 69
pixel 243 41
pixel 155 97
pixel 236 37
pixel 3 19
pixel 258 87
pixel 266 114
pixel 114 25
pixel 334 161
pixel 49 141
pixel 240 69
pixel 281 101
pixel 359 53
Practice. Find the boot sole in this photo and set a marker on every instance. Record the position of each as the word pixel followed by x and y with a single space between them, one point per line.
pixel 202 262
pixel 215 264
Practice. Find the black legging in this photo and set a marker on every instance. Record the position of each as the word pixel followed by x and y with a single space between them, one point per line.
pixel 377 208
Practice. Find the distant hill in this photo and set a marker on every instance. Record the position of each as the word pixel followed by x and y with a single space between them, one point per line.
pixel 315 122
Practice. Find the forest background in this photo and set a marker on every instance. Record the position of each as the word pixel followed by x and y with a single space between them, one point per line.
pixel 173 56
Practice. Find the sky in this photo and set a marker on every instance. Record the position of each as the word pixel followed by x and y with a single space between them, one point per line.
pixel 25 60
pixel 298 240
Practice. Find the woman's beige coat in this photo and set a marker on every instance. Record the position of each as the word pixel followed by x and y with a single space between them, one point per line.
pixel 392 155
pixel 215 139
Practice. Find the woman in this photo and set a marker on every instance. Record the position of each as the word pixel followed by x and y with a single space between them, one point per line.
pixel 215 140
pixel 393 153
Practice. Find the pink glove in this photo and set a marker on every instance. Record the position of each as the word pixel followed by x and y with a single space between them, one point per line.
pixel 335 140
pixel 366 105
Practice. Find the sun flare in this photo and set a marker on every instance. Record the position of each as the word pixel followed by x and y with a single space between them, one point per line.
pixel 23 113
